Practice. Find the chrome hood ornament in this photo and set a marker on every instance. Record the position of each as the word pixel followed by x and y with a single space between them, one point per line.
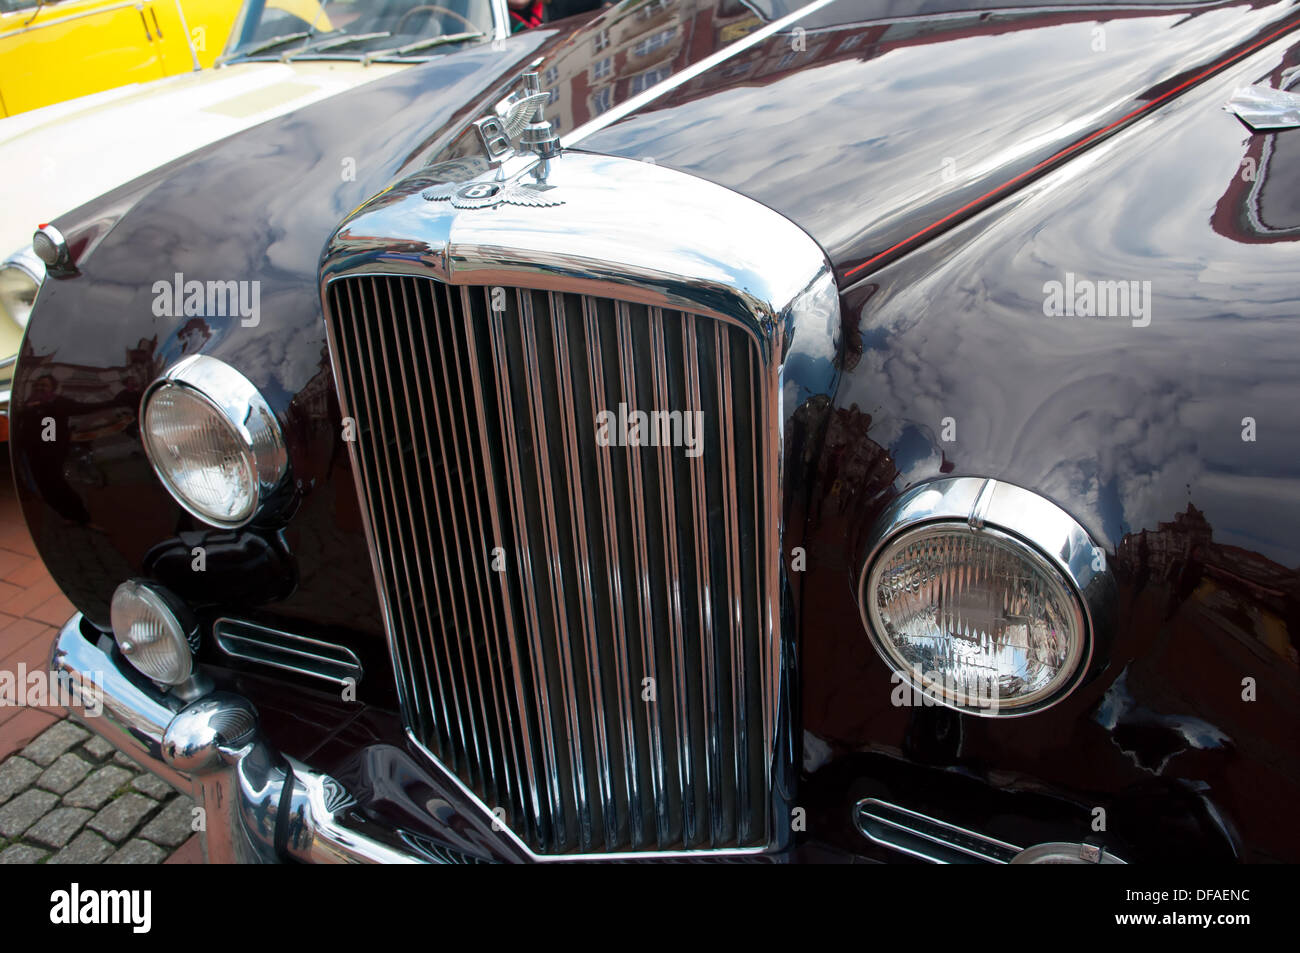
pixel 521 115
pixel 506 176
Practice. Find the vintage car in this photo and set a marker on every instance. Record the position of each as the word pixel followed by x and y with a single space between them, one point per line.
pixel 282 54
pixel 52 50
pixel 852 431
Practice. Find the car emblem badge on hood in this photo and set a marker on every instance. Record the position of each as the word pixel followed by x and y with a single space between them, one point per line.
pixel 490 194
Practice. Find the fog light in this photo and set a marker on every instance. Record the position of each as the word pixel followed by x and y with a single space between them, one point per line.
pixel 984 596
pixel 154 631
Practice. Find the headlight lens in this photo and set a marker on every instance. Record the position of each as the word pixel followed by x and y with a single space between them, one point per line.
pixel 198 453
pixel 151 634
pixel 976 620
pixel 20 279
pixel 213 441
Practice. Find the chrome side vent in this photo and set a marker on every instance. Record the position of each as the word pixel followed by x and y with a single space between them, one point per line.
pixel 250 642
pixel 583 629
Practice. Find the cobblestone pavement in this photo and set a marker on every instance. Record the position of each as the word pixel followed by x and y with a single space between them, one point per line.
pixel 69 798
pixel 65 796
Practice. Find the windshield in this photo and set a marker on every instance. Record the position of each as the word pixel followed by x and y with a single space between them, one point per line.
pixel 356 29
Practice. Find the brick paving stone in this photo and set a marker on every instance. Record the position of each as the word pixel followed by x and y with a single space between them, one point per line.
pixel 56 828
pixel 22 854
pixel 98 748
pixel 172 826
pixel 121 816
pixel 154 786
pixel 24 811
pixel 136 851
pixel 64 774
pixel 124 761
pixel 88 848
pixel 16 774
pixel 98 788
pixel 17 732
pixel 191 852
pixel 55 740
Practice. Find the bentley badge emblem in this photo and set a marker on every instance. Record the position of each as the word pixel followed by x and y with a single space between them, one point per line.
pixel 490 194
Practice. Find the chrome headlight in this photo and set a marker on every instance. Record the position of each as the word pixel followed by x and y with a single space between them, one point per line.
pixel 983 596
pixel 20 278
pixel 213 441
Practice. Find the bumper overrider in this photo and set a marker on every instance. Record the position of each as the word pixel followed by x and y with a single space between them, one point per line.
pixel 256 805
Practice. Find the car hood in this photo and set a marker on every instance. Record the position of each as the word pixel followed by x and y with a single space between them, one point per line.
pixel 851 142
pixel 62 156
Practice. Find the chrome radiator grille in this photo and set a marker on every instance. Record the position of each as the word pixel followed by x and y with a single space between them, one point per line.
pixel 583 631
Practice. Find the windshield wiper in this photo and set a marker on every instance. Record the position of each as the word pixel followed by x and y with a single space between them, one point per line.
pixel 420 45
pixel 333 43
pixel 268 44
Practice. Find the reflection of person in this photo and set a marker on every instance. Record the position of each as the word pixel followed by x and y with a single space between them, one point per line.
pixel 526 14
pixel 46 413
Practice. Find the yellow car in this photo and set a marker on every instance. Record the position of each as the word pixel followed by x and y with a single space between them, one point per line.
pixel 52 50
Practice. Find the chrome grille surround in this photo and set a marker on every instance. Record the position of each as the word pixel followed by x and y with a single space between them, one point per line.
pixel 589 279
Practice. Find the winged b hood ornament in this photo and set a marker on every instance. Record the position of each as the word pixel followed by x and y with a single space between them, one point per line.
pixel 520 115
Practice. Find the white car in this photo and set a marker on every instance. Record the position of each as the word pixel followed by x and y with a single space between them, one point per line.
pixel 282 55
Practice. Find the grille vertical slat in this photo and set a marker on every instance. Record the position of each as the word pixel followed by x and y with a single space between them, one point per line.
pixel 732 604
pixel 598 683
pixel 559 599
pixel 573 482
pixel 553 819
pixel 527 780
pixel 453 649
pixel 432 609
pixel 627 698
pixel 649 661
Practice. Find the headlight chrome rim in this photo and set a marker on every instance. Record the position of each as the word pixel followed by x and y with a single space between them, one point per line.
pixel 1047 536
pixel 26 263
pixel 244 412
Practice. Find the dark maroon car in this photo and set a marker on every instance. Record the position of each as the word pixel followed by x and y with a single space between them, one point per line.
pixel 863 430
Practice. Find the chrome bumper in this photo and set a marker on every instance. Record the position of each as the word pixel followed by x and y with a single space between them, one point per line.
pixel 258 806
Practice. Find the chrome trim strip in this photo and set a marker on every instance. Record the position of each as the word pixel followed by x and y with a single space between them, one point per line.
pixel 224 631
pixel 529 781
pixel 538 426
pixel 361 478
pixel 578 529
pixel 611 116
pixel 709 674
pixel 940 833
pixel 536 653
pixel 627 698
pixel 29 27
pixel 452 549
pixel 672 578
pixel 641 567
pixel 464 461
pixel 429 654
